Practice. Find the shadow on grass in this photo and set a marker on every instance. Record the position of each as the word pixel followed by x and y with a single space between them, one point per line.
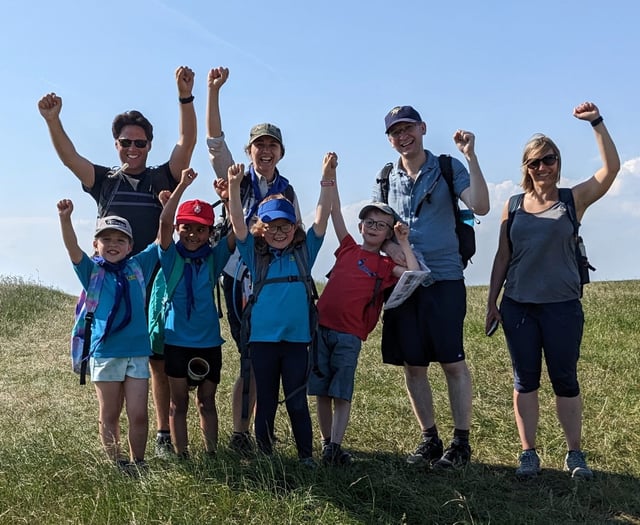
pixel 383 488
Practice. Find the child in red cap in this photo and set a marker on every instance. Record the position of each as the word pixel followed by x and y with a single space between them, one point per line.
pixel 193 356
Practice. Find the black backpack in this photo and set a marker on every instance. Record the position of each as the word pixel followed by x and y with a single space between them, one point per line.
pixel 465 232
pixel 565 195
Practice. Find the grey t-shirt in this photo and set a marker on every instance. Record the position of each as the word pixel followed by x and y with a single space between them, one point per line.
pixel 543 267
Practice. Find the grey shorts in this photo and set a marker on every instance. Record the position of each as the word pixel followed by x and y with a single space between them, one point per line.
pixel 337 360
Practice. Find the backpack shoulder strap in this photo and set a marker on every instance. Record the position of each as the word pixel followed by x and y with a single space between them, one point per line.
pixel 90 305
pixel 515 201
pixel 174 277
pixel 93 290
pixel 566 196
pixel 446 169
pixel 383 181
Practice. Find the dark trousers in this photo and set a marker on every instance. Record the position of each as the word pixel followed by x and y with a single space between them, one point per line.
pixel 272 361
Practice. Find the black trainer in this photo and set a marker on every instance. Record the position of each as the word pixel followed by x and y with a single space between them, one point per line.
pixel 428 451
pixel 334 455
pixel 242 443
pixel 456 455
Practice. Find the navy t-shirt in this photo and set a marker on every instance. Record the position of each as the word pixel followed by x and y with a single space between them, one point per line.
pixel 135 199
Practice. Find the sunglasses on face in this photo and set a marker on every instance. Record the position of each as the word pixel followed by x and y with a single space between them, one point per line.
pixel 273 229
pixel 376 225
pixel 547 160
pixel 138 143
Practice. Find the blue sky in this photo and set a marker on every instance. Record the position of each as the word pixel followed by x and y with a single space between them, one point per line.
pixel 326 73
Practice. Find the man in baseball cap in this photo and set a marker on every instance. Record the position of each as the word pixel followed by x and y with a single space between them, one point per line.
pixel 401 114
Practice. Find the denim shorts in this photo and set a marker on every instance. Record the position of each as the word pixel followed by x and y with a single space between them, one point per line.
pixel 337 360
pixel 427 327
pixel 552 329
pixel 117 368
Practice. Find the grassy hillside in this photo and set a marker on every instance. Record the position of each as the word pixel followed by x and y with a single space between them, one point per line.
pixel 52 470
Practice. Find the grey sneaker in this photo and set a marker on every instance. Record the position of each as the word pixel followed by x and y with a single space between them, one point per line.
pixel 576 463
pixel 164 448
pixel 529 465
pixel 455 455
pixel 428 451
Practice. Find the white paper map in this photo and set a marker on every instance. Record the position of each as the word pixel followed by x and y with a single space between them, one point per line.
pixel 407 284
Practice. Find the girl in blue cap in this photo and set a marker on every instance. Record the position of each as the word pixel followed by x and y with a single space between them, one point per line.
pixel 280 330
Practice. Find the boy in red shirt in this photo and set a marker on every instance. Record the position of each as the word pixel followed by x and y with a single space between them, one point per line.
pixel 348 310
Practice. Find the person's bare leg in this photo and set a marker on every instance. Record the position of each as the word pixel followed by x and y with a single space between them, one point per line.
pixel 526 410
pixel 109 406
pixel 136 395
pixel 160 393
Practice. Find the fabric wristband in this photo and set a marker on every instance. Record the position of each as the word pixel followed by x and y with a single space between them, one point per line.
pixel 597 121
pixel 186 100
pixel 327 183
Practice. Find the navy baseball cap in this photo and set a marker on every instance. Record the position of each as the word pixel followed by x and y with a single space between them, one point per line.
pixel 401 114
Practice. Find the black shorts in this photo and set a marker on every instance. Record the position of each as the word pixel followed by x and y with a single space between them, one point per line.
pixel 176 360
pixel 427 327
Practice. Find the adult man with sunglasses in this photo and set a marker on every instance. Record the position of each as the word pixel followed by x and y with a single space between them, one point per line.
pixel 428 326
pixel 132 190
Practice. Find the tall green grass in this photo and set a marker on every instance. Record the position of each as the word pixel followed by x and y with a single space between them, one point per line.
pixel 52 470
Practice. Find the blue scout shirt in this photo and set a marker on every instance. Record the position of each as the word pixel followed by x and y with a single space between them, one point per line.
pixel 133 339
pixel 202 329
pixel 281 312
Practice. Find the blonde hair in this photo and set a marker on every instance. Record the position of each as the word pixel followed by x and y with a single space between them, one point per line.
pixel 534 148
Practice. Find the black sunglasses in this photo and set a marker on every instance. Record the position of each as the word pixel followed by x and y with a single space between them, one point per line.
pixel 139 143
pixel 547 160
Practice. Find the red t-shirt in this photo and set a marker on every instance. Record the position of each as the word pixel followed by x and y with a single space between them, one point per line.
pixel 345 302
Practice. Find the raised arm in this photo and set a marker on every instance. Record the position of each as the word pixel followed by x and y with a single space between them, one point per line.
pixel 50 106
pixel 65 208
pixel 589 191
pixel 217 77
pixel 236 213
pixel 182 151
pixel 165 229
pixel 336 216
pixel 402 235
pixel 327 191
pixel 476 196
pixel 219 153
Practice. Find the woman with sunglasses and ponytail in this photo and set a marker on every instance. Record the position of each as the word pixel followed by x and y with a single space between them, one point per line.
pixel 540 310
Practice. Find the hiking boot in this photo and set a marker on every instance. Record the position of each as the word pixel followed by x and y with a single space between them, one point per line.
pixel 529 465
pixel 241 443
pixel 428 451
pixel 164 448
pixel 576 463
pixel 455 455
pixel 334 455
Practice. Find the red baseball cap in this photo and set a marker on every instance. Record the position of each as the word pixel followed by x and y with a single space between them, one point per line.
pixel 197 211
